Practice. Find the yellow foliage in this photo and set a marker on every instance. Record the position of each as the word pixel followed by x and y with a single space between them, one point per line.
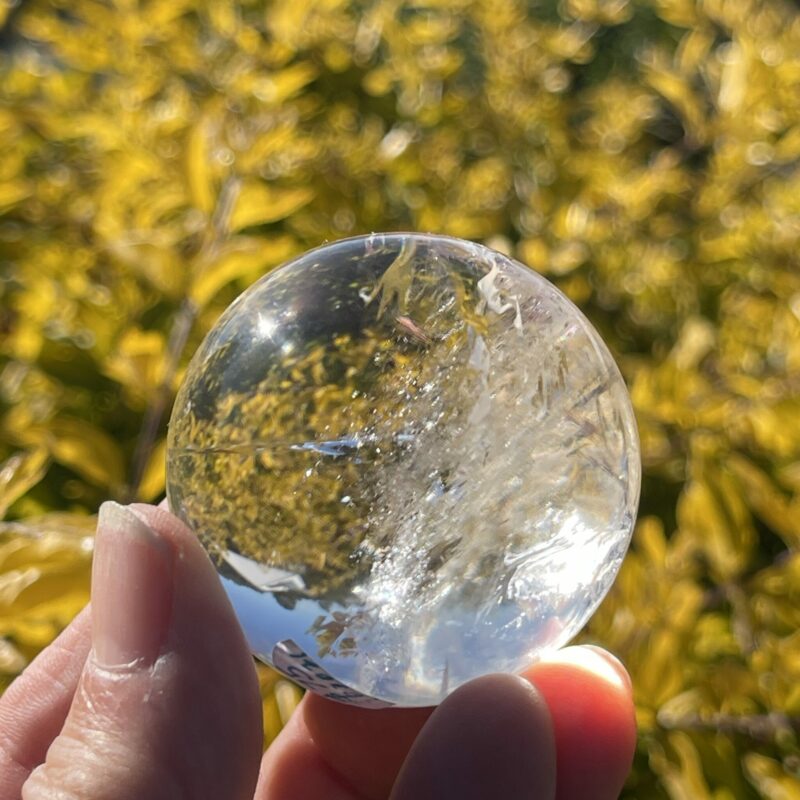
pixel 258 204
pixel 19 473
pixel 44 582
pixel 159 156
pixel 242 259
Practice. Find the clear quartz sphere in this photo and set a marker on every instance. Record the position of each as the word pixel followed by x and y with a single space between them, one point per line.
pixel 412 460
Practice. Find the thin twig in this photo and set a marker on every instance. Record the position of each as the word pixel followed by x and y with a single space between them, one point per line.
pixel 181 327
pixel 761 727
pixel 179 334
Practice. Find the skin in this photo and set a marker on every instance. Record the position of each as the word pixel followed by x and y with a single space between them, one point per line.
pixel 152 693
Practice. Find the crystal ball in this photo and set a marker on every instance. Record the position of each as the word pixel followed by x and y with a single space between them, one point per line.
pixel 412 460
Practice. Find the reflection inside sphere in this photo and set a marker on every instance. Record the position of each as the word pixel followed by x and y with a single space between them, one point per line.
pixel 409 457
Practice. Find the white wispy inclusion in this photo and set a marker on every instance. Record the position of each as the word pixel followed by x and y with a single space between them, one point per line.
pixel 532 506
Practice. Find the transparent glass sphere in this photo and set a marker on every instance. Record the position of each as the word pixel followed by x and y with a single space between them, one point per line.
pixel 412 461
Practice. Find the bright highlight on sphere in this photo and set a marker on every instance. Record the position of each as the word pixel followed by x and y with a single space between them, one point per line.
pixel 412 460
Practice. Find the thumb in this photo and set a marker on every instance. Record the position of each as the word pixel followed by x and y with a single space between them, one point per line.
pixel 167 705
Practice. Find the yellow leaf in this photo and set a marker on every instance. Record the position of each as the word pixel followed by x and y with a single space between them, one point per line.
pixel 259 203
pixel 684 99
pixel 767 500
pixel 87 450
pixel 774 426
pixel 244 258
pixel 138 361
pixel 693 50
pixel 19 473
pixel 650 541
pixel 12 192
pixel 712 510
pixel 378 81
pixel 162 14
pixel 697 338
pixel 224 18
pixel 788 146
pixel 662 679
pixel 268 680
pixel 151 487
pixel 284 84
pixel 733 82
pixel 161 266
pixel 770 778
pixel 287 696
pixel 198 172
pixel 689 778
pixel 44 576
pixel 14 583
pixel 12 661
pixel 680 768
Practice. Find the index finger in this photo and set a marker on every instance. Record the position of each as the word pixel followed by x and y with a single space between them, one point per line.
pixel 588 692
pixel 333 751
pixel 33 709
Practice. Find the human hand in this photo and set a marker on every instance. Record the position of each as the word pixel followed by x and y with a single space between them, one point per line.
pixel 152 695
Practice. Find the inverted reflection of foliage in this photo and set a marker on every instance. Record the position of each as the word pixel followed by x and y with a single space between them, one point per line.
pixel 159 156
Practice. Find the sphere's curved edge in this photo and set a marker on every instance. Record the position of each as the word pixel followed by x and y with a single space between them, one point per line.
pixel 537 452
pixel 290 660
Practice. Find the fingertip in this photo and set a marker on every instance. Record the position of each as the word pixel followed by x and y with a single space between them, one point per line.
pixel 162 520
pixel 34 707
pixel 138 723
pixel 588 692
pixel 608 660
pixel 367 747
pixel 132 584
pixel 492 737
pixel 294 767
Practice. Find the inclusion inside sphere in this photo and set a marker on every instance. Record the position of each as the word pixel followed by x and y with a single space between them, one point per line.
pixel 412 461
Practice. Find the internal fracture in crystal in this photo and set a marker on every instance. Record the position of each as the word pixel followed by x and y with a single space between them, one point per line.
pixel 411 459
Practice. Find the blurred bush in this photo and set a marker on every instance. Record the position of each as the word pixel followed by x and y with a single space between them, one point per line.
pixel 159 155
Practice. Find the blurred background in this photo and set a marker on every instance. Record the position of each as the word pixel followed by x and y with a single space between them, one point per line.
pixel 160 155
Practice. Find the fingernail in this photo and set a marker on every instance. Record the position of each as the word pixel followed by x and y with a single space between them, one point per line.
pixel 131 589
pixel 614 662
